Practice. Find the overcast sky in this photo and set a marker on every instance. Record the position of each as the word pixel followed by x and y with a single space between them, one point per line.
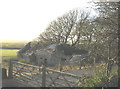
pixel 26 19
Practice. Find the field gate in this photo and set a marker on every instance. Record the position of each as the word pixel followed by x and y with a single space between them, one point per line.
pixel 35 76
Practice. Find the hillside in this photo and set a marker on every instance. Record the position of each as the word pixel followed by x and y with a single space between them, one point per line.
pixel 12 44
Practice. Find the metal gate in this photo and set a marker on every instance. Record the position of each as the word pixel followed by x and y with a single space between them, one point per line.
pixel 41 76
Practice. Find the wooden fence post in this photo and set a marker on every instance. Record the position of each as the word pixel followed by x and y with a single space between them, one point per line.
pixel 44 73
pixel 10 70
pixel 61 64
pixel 4 73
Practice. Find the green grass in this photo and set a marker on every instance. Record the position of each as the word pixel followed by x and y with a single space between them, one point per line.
pixel 8 52
pixel 6 55
pixel 11 47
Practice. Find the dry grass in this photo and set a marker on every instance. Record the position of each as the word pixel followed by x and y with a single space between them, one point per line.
pixel 77 67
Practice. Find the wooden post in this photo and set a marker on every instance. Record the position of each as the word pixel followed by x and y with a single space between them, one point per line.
pixel 79 64
pixel 61 64
pixel 10 70
pixel 44 73
pixel 4 73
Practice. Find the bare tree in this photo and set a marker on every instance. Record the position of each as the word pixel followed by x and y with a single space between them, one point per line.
pixel 67 28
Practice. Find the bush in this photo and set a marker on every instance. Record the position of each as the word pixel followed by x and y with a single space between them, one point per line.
pixel 100 79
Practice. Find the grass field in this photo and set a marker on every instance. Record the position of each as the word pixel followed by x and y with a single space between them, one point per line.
pixel 9 50
pixel 7 54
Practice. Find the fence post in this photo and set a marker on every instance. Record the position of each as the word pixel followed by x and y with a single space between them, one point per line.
pixel 44 73
pixel 10 70
pixel 61 64
pixel 4 73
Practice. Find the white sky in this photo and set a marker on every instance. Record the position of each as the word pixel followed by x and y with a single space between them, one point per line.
pixel 26 19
